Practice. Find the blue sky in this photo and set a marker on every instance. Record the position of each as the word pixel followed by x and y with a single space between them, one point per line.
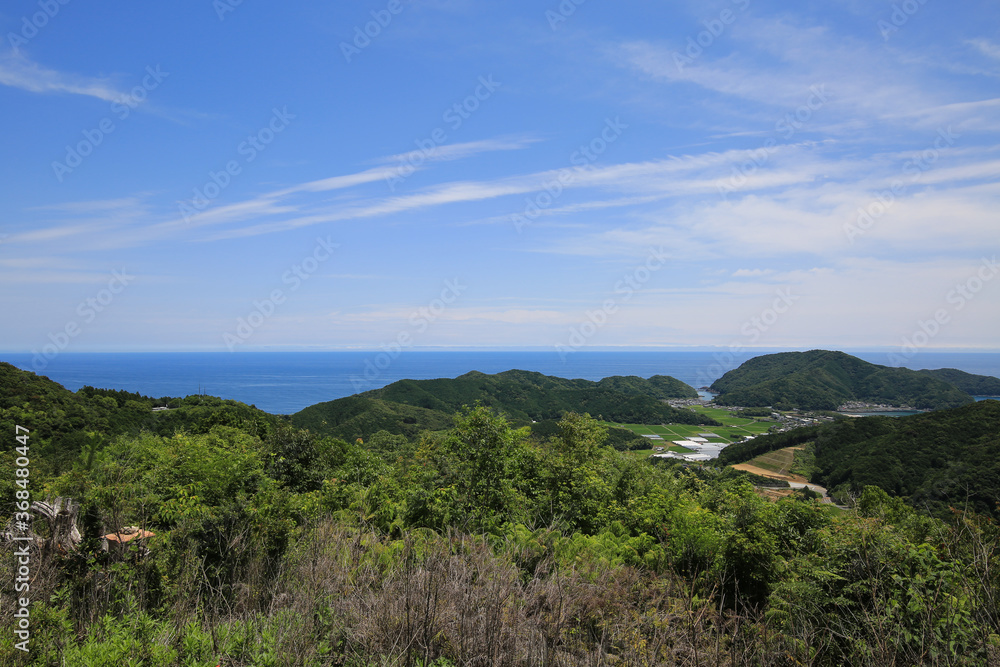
pixel 212 175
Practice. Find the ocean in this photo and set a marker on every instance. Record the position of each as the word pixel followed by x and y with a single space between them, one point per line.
pixel 286 382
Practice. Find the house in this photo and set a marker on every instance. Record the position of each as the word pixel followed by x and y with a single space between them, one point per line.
pixel 120 540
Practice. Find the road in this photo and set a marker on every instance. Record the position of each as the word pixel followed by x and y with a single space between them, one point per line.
pixel 794 481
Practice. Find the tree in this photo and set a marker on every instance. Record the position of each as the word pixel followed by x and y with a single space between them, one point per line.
pixel 485 447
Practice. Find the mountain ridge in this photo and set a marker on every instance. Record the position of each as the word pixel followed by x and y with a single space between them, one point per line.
pixel 825 380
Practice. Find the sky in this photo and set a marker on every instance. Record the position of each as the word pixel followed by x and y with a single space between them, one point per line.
pixel 398 174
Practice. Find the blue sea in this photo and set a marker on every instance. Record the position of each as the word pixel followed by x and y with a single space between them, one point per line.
pixel 286 382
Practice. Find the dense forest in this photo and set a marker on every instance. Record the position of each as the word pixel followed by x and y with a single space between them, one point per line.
pixel 409 407
pixel 822 380
pixel 480 544
pixel 974 385
pixel 934 461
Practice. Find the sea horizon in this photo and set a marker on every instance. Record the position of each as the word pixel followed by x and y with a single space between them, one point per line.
pixel 288 381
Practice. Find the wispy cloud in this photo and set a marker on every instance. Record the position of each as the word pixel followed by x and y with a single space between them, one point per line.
pixel 986 47
pixel 17 71
pixel 447 152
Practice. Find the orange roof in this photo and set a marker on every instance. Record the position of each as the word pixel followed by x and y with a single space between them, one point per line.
pixel 128 537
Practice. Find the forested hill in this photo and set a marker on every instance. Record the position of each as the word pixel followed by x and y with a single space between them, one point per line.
pixel 936 460
pixel 976 385
pixel 63 422
pixel 824 380
pixel 266 544
pixel 530 395
pixel 410 406
pixel 942 459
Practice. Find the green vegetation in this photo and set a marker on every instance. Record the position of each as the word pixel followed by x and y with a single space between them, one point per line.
pixel 821 380
pixel 935 461
pixel 742 452
pixel 754 412
pixel 409 407
pixel 805 461
pixel 974 385
pixel 484 543
pixel 671 432
pixel 621 439
pixel 780 461
pixel 64 424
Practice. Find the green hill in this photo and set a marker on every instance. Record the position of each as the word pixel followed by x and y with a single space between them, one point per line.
pixel 975 385
pixel 823 380
pixel 621 439
pixel 947 458
pixel 410 406
pixel 60 420
pixel 361 417
pixel 484 545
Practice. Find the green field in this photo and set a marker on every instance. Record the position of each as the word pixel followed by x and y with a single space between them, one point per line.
pixel 780 461
pixel 735 427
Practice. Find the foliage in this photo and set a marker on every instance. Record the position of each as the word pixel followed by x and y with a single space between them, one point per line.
pixel 490 543
pixel 409 407
pixel 975 385
pixel 822 380
pixel 620 439
pixel 936 460
pixel 741 452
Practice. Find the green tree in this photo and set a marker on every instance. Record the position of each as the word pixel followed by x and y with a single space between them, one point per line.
pixel 485 447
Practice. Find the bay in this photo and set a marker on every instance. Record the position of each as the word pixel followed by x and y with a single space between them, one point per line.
pixel 286 382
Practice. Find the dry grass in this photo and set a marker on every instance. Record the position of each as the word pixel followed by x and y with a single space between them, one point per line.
pixel 454 597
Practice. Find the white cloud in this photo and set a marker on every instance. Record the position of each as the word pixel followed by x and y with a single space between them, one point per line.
pixel 752 273
pixel 986 47
pixel 17 71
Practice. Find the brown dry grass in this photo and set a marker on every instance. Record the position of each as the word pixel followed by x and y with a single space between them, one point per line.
pixel 455 597
pixel 770 473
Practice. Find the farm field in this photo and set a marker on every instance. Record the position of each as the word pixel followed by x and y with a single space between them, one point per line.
pixel 781 461
pixel 733 429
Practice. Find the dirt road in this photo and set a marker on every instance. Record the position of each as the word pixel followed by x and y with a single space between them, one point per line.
pixel 794 481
